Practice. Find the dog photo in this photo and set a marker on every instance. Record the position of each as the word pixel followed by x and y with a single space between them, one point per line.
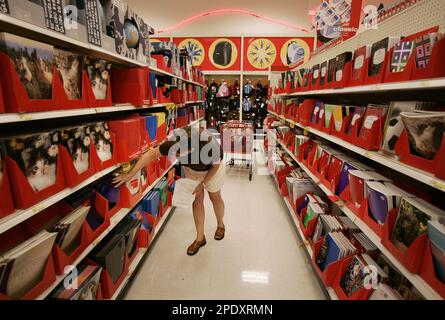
pixel 33 62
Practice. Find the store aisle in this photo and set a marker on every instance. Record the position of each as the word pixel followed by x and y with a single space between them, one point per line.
pixel 260 257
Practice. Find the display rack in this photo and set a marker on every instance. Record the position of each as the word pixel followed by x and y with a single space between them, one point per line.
pixel 26 29
pixel 142 254
pixel 120 215
pixel 390 162
pixel 415 279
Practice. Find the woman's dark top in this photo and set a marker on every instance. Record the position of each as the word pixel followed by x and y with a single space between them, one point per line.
pixel 194 159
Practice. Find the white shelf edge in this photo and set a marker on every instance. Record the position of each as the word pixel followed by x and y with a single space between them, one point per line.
pixel 415 279
pixel 114 221
pixel 391 163
pixel 19 216
pixel 55 114
pixel 137 260
pixel 411 85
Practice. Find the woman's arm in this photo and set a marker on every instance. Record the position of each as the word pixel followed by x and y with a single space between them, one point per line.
pixel 142 162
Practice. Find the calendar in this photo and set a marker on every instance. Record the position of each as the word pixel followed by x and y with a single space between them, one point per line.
pixel 54 17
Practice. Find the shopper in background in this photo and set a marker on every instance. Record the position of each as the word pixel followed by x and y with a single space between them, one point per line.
pixel 201 163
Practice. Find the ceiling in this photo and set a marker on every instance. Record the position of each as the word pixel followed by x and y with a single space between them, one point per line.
pixel 164 14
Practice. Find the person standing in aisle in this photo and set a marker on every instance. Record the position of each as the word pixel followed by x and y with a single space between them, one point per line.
pixel 201 157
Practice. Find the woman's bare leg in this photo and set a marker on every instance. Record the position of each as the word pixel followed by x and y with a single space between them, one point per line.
pixel 218 207
pixel 199 215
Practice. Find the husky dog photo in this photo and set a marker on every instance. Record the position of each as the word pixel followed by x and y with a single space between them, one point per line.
pixel 69 66
pixel 78 143
pixel 33 62
pixel 99 73
pixel 36 155
pixel 101 138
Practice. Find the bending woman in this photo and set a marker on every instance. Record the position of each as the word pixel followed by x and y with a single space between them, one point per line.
pixel 200 155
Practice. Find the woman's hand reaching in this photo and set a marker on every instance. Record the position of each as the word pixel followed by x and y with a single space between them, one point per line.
pixel 121 179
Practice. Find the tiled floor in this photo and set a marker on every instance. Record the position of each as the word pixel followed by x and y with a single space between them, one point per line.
pixel 260 257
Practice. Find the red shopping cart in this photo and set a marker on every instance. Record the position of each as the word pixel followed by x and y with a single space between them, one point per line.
pixel 237 139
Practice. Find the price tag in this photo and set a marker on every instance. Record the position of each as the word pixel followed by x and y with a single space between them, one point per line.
pixel 368 155
pixel 292 125
pixel 39 208
pixel 306 131
pixel 438 185
pixel 25 117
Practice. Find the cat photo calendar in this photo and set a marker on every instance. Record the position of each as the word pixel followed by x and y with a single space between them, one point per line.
pixel 69 67
pixel 36 155
pixel 99 73
pixel 78 142
pixel 101 138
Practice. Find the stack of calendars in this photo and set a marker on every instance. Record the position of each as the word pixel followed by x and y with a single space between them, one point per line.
pixel 22 267
pixel 88 283
pixel 325 225
pixel 336 246
pixel 129 229
pixel 110 255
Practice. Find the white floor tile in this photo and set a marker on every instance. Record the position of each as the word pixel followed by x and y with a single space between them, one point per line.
pixel 260 257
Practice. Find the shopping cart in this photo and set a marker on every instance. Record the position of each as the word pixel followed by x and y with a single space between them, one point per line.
pixel 237 139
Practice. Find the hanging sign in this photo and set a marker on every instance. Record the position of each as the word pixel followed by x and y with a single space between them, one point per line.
pixel 54 17
pixel 337 19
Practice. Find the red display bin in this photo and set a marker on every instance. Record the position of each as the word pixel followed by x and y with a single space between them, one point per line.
pixel 2 105
pixel 16 98
pixel 72 178
pixel 101 205
pixel 145 237
pixel 404 75
pixel 129 134
pixel 345 78
pixel 413 257
pixel 23 194
pixel 161 97
pixel 102 165
pixel 377 79
pixel 360 294
pixel 177 96
pixel 353 135
pixel 164 164
pixel 309 230
pixel 6 205
pixel 428 273
pixel 97 103
pixel 152 171
pixel 373 141
pixel 66 103
pixel 16 236
pixel 129 199
pixel 56 213
pixel 435 166
pixel 108 287
pixel 131 86
pixel 363 213
pixel 329 274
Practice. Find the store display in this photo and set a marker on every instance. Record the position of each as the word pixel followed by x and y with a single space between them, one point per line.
pixel 110 255
pixel 423 49
pixel 425 131
pixel 401 55
pixel 22 267
pixel 129 229
pixel 78 143
pixel 101 138
pixel 98 72
pixel 382 198
pixel 357 119
pixel 394 125
pixel 138 214
pixel 373 113
pixel 69 66
pixel 33 63
pixel 378 54
pixel 340 65
pixel 36 155
pixel 315 74
pixel 412 222
pixel 88 283
pixel 335 247
pixel 357 184
pixel 360 57
pixel 68 229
